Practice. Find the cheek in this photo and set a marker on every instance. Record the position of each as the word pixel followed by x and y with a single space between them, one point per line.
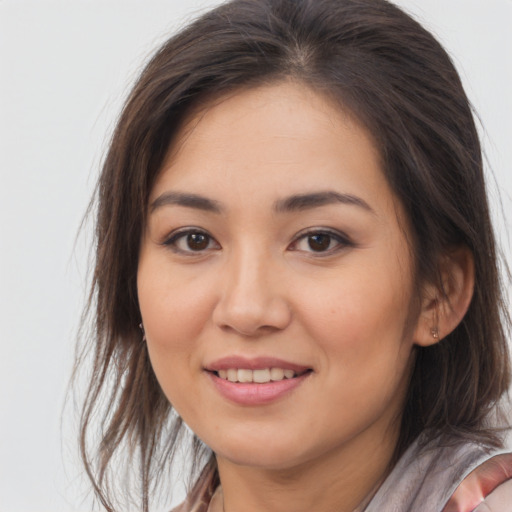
pixel 362 311
pixel 174 313
pixel 361 328
pixel 173 306
pixel 363 335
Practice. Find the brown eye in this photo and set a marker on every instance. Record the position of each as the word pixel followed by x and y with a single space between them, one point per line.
pixel 320 242
pixel 197 241
pixel 188 241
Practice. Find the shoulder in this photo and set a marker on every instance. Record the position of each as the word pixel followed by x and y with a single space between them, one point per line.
pixel 499 500
pixel 486 488
pixel 449 475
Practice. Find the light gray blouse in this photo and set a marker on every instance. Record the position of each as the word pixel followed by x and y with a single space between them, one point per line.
pixel 449 476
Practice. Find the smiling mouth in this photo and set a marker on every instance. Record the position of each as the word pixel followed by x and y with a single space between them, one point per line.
pixel 259 376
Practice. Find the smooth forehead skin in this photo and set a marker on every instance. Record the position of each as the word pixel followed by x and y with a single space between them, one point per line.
pixel 258 291
pixel 284 145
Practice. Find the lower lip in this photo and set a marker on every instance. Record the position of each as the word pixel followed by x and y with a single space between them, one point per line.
pixel 253 393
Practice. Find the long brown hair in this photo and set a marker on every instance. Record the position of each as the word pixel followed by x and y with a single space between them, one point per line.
pixel 393 76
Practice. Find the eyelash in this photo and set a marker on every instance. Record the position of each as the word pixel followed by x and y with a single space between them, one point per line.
pixel 176 236
pixel 342 241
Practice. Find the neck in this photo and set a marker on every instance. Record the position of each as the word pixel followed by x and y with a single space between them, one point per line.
pixel 343 480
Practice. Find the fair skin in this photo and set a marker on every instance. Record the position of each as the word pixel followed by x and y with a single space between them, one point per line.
pixel 274 240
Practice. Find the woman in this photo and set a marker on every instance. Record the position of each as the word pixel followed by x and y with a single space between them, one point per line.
pixel 294 254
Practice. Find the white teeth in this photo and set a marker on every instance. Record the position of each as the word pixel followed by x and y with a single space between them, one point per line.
pixel 289 374
pixel 245 376
pixel 276 373
pixel 260 376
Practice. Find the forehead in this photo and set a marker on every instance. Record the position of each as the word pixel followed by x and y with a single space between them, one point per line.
pixel 282 138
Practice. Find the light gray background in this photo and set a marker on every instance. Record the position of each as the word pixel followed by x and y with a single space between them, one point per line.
pixel 65 67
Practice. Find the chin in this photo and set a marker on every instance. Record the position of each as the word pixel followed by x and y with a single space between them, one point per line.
pixel 261 459
pixel 261 452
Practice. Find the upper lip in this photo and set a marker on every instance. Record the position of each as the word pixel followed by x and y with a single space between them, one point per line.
pixel 254 363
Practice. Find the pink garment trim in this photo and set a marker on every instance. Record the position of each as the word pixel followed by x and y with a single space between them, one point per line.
pixel 480 483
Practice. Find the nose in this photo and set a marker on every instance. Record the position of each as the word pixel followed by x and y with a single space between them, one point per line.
pixel 252 298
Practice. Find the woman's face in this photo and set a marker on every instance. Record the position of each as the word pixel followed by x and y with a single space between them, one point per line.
pixel 275 281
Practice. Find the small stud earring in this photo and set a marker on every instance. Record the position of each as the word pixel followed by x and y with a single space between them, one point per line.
pixel 141 326
pixel 435 330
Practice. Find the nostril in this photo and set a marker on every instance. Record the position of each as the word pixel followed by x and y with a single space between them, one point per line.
pixel 249 331
pixel 254 316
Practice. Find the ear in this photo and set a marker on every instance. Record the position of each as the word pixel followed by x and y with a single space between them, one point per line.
pixel 443 309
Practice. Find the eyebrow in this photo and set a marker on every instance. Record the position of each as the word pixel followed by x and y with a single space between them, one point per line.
pixel 187 200
pixel 294 203
pixel 301 202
